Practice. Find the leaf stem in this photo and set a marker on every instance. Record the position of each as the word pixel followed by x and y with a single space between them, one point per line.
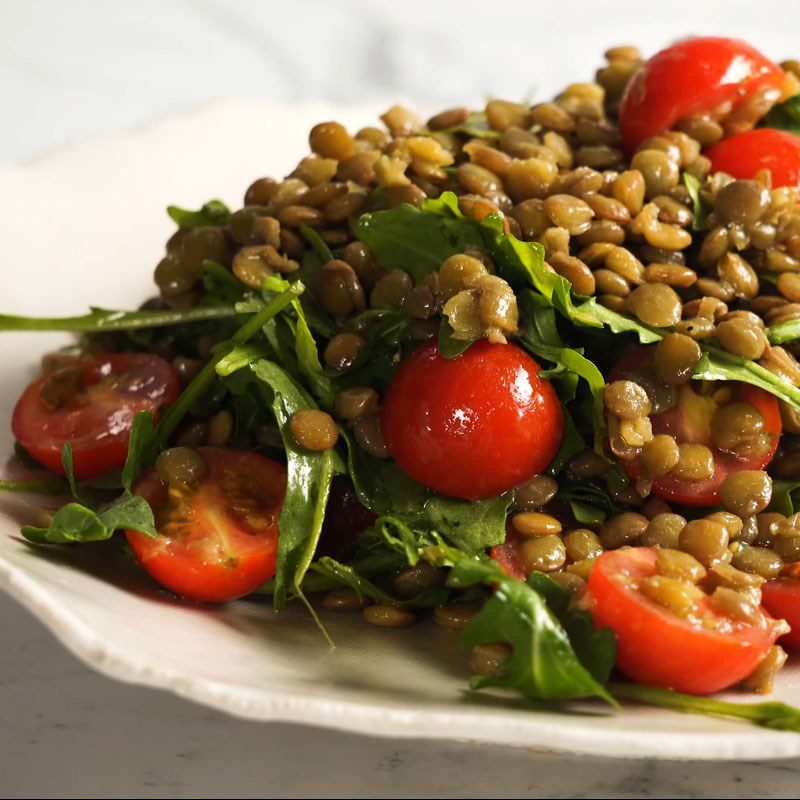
pixel 49 485
pixel 110 320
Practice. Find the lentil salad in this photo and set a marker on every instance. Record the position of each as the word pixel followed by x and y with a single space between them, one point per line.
pixel 529 371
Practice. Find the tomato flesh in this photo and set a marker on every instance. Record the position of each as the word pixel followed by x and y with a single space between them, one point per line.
pixel 658 648
pixel 97 420
pixel 781 597
pixel 744 155
pixel 472 426
pixel 507 554
pixel 218 540
pixel 689 422
pixel 694 76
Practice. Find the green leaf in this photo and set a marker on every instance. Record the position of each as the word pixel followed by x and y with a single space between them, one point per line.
pixel 77 523
pixel 471 526
pixel 773 715
pixel 448 345
pixel 308 484
pixel 718 365
pixel 543 664
pixel 142 448
pixel 701 208
pixel 318 245
pixel 52 484
pixel 785 116
pixel 416 240
pixel 785 497
pixel 788 331
pixel 572 443
pixel 476 126
pixel 620 323
pixel 344 575
pixel 214 212
pixel 104 320
pixel 222 287
pixel 596 648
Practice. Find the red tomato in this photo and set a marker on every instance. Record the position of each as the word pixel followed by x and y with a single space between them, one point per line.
pixel 781 597
pixel 472 426
pixel 658 648
pixel 507 554
pixel 97 421
pixel 745 154
pixel 689 422
pixel 218 540
pixel 694 76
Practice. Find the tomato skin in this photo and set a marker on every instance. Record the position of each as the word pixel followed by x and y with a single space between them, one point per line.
pixel 745 154
pixel 657 648
pixel 700 492
pixel 473 426
pixel 694 76
pixel 507 554
pixel 98 422
pixel 218 556
pixel 781 597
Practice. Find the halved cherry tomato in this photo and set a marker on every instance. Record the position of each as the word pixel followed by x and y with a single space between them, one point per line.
pixel 472 426
pixel 97 419
pixel 744 155
pixel 781 597
pixel 694 76
pixel 507 554
pixel 657 647
pixel 689 422
pixel 218 540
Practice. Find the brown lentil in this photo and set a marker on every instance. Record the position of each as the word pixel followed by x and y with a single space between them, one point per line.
pixel 369 436
pixel 622 529
pixel 181 465
pixel 386 616
pixel 314 430
pixel 345 599
pixel 535 493
pixel 675 358
pixel 706 540
pixel 454 617
pixel 663 530
pixel 759 560
pixel 746 492
pixel 534 523
pixel 695 463
pixel 542 553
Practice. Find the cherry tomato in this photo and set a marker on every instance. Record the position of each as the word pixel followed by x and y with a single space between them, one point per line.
pixel 218 539
pixel 694 76
pixel 657 647
pixel 746 154
pixel 507 554
pixel 689 422
pixel 97 419
pixel 472 426
pixel 781 597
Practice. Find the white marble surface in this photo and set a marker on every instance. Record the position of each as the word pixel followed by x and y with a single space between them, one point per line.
pixel 79 69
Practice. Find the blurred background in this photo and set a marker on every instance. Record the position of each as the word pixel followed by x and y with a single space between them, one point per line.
pixel 80 68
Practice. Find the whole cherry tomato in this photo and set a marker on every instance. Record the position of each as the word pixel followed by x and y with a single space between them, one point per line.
pixel 471 426
pixel 694 76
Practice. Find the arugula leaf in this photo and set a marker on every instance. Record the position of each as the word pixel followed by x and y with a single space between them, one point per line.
pixel 543 664
pixel 701 207
pixel 385 490
pixel 718 365
pixel 596 648
pixel 214 212
pixel 102 320
pixel 318 245
pixel 572 443
pixel 221 286
pixel 448 345
pixel 343 575
pixel 785 116
pixel 773 715
pixel 77 523
pixel 620 323
pixel 416 240
pixel 51 484
pixel 308 484
pixel 785 497
pixel 476 126
pixel 788 331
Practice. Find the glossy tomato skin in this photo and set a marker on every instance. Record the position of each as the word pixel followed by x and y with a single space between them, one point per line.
pixel 699 492
pixel 472 426
pixel 215 554
pixel 98 421
pixel 744 155
pixel 657 648
pixel 694 76
pixel 781 597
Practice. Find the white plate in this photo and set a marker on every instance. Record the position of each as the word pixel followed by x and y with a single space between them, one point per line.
pixel 86 225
